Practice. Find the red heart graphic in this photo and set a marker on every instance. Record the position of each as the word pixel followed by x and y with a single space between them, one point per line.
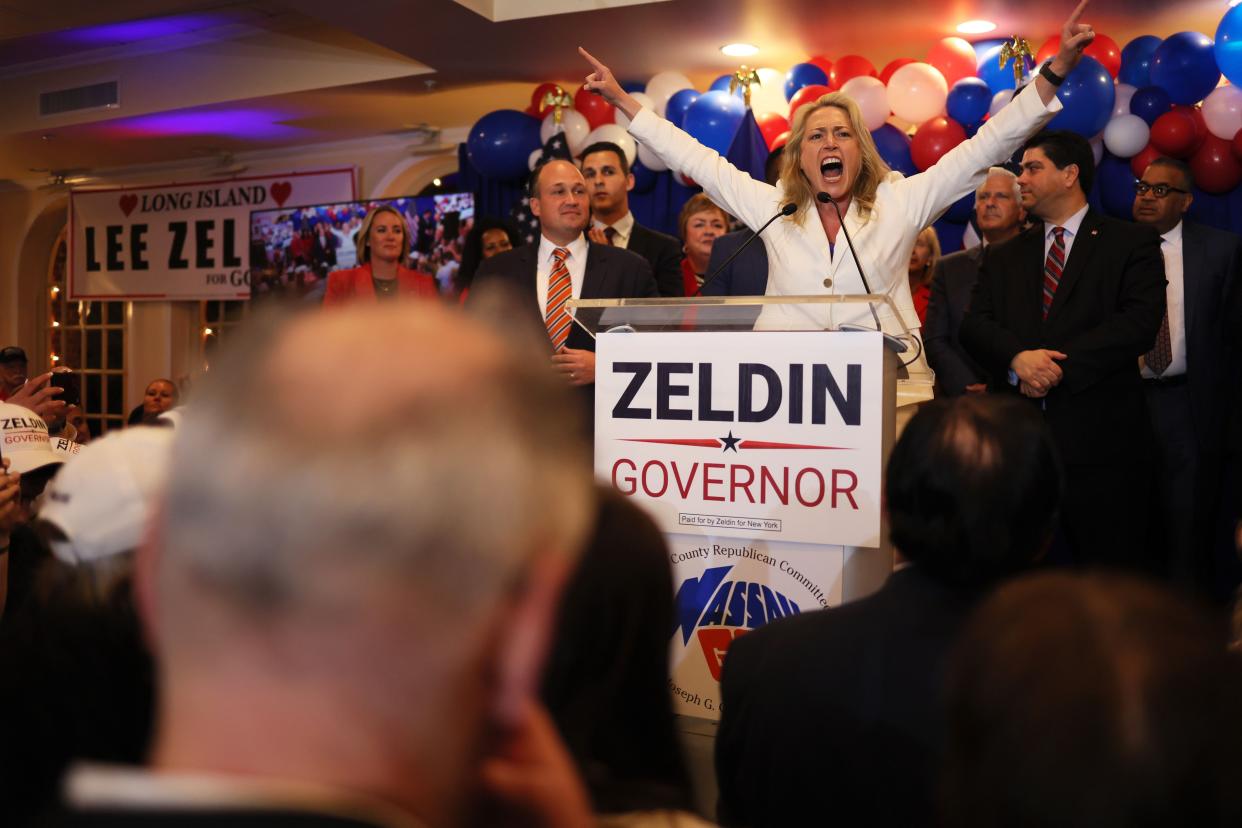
pixel 128 203
pixel 281 191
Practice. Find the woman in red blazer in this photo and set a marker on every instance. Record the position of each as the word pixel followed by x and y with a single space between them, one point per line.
pixel 383 244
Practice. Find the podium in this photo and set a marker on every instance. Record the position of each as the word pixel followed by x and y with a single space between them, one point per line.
pixel 759 449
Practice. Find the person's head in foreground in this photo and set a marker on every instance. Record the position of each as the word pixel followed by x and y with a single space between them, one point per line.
pixel 973 489
pixel 354 589
pixel 1093 700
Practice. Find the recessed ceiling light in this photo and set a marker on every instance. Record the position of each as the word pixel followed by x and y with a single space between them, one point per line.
pixel 976 27
pixel 740 49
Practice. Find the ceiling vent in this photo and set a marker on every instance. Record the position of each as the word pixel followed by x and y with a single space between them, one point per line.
pixel 96 96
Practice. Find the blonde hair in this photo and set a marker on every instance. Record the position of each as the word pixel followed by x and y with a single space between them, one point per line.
pixel 362 241
pixel 798 188
pixel 698 203
pixel 928 235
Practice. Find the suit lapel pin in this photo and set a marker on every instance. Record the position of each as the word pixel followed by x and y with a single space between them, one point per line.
pixel 1095 231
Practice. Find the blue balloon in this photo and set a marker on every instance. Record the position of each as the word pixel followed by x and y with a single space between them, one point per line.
pixel 675 110
pixel 992 74
pixel 1185 67
pixel 1149 103
pixel 968 101
pixel 644 179
pixel 1116 182
pixel 803 74
pixel 713 119
pixel 1088 95
pixel 894 148
pixel 500 143
pixel 1136 61
pixel 962 209
pixel 634 86
pixel 720 84
pixel 1229 45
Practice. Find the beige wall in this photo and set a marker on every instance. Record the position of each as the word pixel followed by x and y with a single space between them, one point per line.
pixel 163 336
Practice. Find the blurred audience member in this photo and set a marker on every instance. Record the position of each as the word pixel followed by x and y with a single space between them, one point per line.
pixel 39 395
pixel 348 618
pixel 837 713
pixel 611 654
pixel 1089 700
pixel 13 368
pixel 161 395
pixel 488 236
pixel 383 247
pixel 923 259
pixel 76 418
pixel 701 222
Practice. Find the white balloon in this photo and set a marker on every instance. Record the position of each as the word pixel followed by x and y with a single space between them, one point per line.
pixel 1097 148
pixel 643 98
pixel 662 86
pixel 872 99
pixel 573 124
pixel 769 94
pixel 1121 100
pixel 533 160
pixel 1126 135
pixel 650 160
pixel 917 92
pixel 616 135
pixel 999 100
pixel 1222 111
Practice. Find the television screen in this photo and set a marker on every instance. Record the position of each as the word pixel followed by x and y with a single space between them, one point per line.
pixel 292 250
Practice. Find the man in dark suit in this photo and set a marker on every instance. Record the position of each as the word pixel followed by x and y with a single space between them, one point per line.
pixel 1061 314
pixel 1186 374
pixel 999 213
pixel 747 275
pixel 609 181
pixel 833 717
pixel 558 197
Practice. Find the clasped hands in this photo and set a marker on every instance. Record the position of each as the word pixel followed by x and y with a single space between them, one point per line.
pixel 1038 371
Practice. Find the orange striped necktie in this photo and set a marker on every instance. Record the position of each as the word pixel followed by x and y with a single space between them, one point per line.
pixel 560 291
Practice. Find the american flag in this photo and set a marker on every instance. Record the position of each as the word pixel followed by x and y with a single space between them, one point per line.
pixel 556 147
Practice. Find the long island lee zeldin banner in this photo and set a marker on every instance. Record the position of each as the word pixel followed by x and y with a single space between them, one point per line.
pixel 182 241
pixel 758 454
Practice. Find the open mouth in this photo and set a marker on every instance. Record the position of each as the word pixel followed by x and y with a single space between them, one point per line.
pixel 832 168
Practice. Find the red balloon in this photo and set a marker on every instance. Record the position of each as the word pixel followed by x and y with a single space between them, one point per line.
pixel 805 95
pixel 1216 170
pixel 1103 48
pixel 597 110
pixel 1140 162
pixel 847 67
pixel 1237 145
pixel 772 124
pixel 933 139
pixel 1048 50
pixel 781 140
pixel 1174 134
pixel 1201 129
pixel 954 57
pixel 892 66
pixel 823 63
pixel 536 97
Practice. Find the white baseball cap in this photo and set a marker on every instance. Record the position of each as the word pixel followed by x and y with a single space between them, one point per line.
pixel 103 497
pixel 24 440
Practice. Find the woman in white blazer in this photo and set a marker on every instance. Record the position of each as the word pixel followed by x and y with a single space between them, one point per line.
pixel 830 151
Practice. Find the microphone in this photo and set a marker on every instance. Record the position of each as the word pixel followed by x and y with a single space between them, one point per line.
pixel 786 210
pixel 893 342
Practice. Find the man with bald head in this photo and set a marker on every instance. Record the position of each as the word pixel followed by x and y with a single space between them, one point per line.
pixel 347 612
pixel 564 265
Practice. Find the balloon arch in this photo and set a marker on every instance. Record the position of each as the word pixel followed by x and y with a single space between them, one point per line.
pixel 1154 97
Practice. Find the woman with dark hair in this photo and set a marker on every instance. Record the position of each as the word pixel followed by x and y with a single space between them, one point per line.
pixel 383 248
pixel 488 236
pixel 606 683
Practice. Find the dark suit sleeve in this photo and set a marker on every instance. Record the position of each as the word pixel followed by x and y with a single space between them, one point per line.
pixel 952 373
pixel 1130 331
pixel 641 284
pixel 666 264
pixel 982 335
pixel 732 802
pixel 722 285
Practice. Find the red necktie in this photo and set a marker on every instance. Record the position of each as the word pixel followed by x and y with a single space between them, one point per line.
pixel 610 233
pixel 560 290
pixel 1053 267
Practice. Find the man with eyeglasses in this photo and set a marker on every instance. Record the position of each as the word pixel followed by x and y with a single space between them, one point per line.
pixel 1186 375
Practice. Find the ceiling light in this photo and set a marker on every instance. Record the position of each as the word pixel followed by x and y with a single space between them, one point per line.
pixel 976 27
pixel 740 49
